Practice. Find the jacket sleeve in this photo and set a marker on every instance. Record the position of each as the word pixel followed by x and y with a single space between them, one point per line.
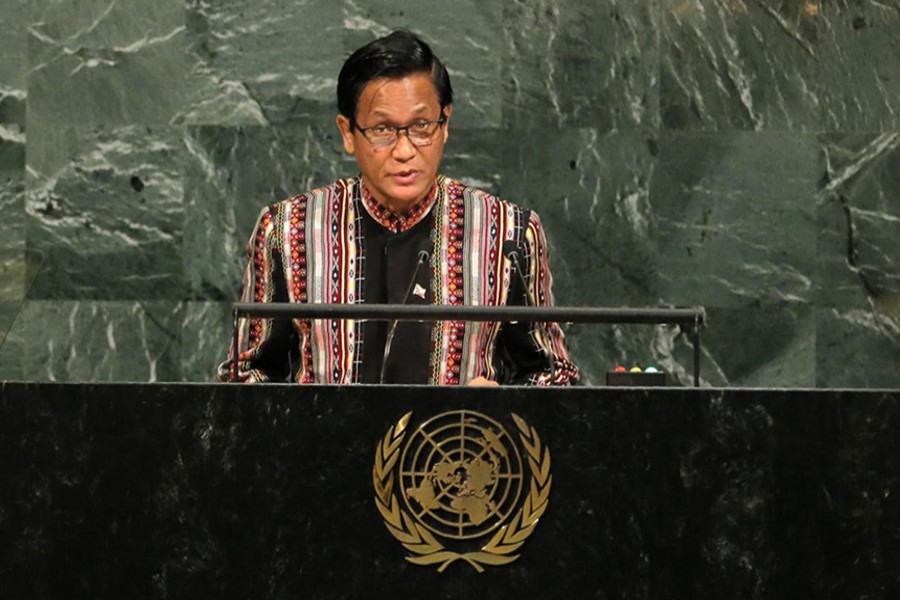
pixel 534 353
pixel 271 342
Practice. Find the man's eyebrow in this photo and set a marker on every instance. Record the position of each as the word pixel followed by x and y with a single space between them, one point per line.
pixel 421 108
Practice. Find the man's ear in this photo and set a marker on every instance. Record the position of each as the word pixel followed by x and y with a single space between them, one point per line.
pixel 343 124
pixel 447 110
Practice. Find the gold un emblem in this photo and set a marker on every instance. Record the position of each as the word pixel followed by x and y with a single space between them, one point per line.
pixel 462 488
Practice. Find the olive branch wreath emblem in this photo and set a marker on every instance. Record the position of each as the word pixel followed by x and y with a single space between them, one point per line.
pixel 427 550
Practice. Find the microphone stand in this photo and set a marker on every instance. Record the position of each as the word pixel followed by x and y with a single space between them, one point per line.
pixel 422 259
pixel 511 250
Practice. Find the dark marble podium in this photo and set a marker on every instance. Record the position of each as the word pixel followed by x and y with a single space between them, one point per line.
pixel 222 491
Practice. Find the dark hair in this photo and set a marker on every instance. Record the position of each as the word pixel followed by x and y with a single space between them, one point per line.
pixel 395 56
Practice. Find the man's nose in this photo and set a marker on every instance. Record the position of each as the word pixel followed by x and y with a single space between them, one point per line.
pixel 403 149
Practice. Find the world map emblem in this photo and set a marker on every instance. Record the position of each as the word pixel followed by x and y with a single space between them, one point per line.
pixel 460 487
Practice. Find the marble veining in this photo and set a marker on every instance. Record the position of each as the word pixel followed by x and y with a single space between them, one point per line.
pixel 736 154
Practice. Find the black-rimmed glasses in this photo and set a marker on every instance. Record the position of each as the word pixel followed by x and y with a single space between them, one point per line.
pixel 421 133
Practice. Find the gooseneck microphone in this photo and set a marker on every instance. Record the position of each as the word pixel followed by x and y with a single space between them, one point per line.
pixel 512 251
pixel 422 258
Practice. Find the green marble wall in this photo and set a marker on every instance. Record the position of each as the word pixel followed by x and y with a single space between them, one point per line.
pixel 743 155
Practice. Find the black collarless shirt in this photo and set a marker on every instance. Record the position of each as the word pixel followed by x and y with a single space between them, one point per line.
pixel 390 263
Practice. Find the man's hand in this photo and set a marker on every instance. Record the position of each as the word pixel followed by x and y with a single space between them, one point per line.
pixel 242 356
pixel 483 382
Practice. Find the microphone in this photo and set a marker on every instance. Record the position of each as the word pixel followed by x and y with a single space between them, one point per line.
pixel 421 258
pixel 512 251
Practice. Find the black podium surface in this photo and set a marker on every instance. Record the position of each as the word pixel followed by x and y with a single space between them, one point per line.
pixel 229 491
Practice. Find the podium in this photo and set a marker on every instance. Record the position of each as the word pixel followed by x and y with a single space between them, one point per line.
pixel 248 491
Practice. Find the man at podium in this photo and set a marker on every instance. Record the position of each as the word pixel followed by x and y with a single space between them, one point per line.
pixel 398 233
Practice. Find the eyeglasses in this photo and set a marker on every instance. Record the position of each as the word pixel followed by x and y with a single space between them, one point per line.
pixel 420 134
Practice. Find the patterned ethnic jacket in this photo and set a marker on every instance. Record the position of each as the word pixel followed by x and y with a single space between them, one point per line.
pixel 315 236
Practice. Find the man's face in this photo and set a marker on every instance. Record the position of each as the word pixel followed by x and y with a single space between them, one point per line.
pixel 401 174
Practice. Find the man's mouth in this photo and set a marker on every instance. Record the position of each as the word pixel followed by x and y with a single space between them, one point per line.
pixel 405 177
